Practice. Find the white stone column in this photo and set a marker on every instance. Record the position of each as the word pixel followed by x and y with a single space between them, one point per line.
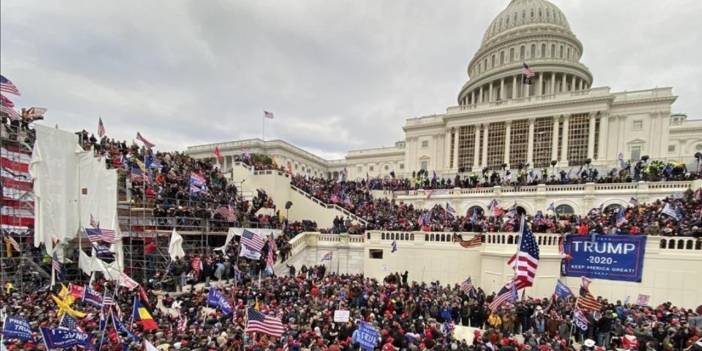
pixel 472 97
pixel 508 137
pixel 447 149
pixel 572 83
pixel 564 145
pixel 554 139
pixel 591 137
pixel 530 145
pixel 502 89
pixel 490 94
pixel 480 95
pixel 582 81
pixel 564 82
pixel 476 148
pixel 540 89
pixel 604 130
pixel 456 141
pixel 485 145
pixel 553 83
pixel 514 87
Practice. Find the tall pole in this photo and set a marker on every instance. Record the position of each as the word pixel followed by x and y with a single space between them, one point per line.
pixel 263 128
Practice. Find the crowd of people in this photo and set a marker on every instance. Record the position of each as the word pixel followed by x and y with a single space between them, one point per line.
pixel 407 315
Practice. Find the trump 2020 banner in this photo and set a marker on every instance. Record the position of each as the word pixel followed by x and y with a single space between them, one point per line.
pixel 612 257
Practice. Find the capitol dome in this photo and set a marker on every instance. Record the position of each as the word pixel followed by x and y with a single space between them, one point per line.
pixel 532 32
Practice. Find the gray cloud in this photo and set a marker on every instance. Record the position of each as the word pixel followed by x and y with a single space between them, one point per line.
pixel 338 75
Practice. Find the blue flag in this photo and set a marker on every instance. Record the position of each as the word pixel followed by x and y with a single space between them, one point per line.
pixel 562 290
pixel 367 336
pixel 122 329
pixel 17 328
pixel 394 246
pixel 216 299
pixel 68 322
pixel 64 338
pixel 92 297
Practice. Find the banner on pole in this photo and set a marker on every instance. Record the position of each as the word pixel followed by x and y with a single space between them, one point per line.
pixel 612 257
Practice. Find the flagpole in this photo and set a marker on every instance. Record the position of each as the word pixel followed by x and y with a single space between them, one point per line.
pixel 263 127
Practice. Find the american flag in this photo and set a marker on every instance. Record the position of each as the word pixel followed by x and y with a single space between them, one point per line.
pixel 268 115
pixel 252 240
pixel 95 235
pixel 259 322
pixel 126 281
pixel 227 212
pixel 621 217
pixel 272 248
pixel 586 301
pixel 508 293
pixel 57 267
pixel 526 261
pixel 6 106
pixel 137 175
pixel 7 86
pixel 147 143
pixel 473 242
pixel 198 183
pixel 527 71
pixel 101 128
pixel 218 154
pixel 327 256
pixel 467 285
pixel 108 301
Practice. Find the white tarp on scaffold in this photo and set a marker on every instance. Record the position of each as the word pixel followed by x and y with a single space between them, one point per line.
pixel 263 233
pixel 70 185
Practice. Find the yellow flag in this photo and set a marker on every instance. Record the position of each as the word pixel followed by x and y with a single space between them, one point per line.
pixel 65 308
pixel 66 296
pixel 141 166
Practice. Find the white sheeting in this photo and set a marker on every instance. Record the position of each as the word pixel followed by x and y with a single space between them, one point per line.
pixel 70 185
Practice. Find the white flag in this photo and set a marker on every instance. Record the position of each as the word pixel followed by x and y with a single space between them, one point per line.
pixel 149 346
pixel 175 246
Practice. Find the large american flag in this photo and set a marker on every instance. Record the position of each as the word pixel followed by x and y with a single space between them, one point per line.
pixel 7 107
pixel 508 293
pixel 126 281
pixel 147 143
pixel 252 240
pixel 526 70
pixel 17 213
pixel 7 86
pixel 586 301
pixel 259 322
pixel 268 115
pixel 526 260
pixel 57 267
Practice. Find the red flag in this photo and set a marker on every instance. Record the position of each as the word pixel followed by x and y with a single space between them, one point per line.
pixel 218 154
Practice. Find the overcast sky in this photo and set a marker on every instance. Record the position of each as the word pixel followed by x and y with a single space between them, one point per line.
pixel 338 75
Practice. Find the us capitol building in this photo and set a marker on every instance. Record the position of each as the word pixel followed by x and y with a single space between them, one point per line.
pixel 500 120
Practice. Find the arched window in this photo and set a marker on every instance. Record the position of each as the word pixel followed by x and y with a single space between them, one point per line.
pixel 502 57
pixel 522 52
pixel 612 208
pixel 564 210
pixel 492 61
pixel 477 209
pixel 561 52
pixel 521 209
pixel 511 54
pixel 568 53
pixel 533 51
pixel 543 50
pixel 553 50
pixel 662 244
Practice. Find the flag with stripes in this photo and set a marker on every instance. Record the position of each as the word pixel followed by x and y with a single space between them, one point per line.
pixel 57 267
pixel 7 86
pixel 127 282
pixel 467 285
pixel 526 260
pixel 508 293
pixel 268 115
pixel 270 257
pixel 17 211
pixel 473 242
pixel 100 128
pixel 327 256
pixel 252 240
pixel 92 297
pixel 146 143
pixel 7 107
pixel 527 71
pixel 198 183
pixel 586 301
pixel 95 235
pixel 261 323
